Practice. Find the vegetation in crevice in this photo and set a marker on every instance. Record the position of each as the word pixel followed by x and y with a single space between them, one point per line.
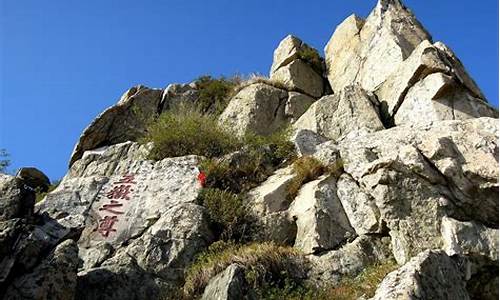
pixel 312 58
pixel 308 168
pixel 361 286
pixel 214 93
pixel 41 194
pixel 263 262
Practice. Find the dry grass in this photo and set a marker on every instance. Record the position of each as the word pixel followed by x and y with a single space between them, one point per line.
pixel 256 78
pixel 308 168
pixel 364 285
pixel 259 259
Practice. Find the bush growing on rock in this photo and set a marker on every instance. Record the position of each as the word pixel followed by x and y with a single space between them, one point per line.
pixel 185 131
pixel 225 210
pixel 263 262
pixel 308 168
pixel 215 93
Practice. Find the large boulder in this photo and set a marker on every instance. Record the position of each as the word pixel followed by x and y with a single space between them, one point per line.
pixel 228 285
pixel 54 278
pixel 300 76
pixel 349 260
pixel 392 55
pixel 129 207
pixel 350 111
pixel 440 97
pixel 298 66
pixel 257 108
pixel 321 221
pixel 34 178
pixel 417 175
pixel 16 200
pixel 125 121
pixel 429 275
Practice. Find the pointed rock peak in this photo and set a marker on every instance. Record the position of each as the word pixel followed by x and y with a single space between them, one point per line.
pixel 292 48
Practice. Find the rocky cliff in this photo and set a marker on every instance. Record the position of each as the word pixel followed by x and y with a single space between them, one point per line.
pixel 398 145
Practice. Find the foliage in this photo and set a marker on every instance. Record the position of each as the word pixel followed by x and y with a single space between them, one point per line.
pixel 185 131
pixel 225 211
pixel 4 160
pixel 311 56
pixel 41 194
pixel 214 93
pixel 258 158
pixel 308 168
pixel 350 288
pixel 263 262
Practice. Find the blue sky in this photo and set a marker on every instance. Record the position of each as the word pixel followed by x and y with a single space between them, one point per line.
pixel 63 62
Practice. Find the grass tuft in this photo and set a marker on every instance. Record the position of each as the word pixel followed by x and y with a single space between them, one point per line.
pixel 262 262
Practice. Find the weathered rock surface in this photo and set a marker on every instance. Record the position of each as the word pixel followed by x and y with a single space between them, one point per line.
pixel 429 275
pixel 360 208
pixel 288 50
pixel 350 260
pixel 392 55
pixel 469 238
pixel 368 52
pixel 228 285
pixel 122 122
pixel 139 218
pixel 321 220
pixel 297 104
pixel 257 108
pixel 417 175
pixel 34 178
pixel 54 278
pixel 16 200
pixel 300 76
pixel 350 111
pixel 424 191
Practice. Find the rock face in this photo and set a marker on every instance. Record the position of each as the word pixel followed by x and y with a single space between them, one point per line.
pixel 391 54
pixel 258 108
pixel 321 221
pixel 228 285
pixel 409 151
pixel 418 175
pixel 298 66
pixel 429 275
pixel 15 199
pixel 138 218
pixel 54 278
pixel 351 110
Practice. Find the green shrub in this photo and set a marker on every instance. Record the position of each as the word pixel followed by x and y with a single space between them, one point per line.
pixel 214 93
pixel 40 194
pixel 350 288
pixel 263 262
pixel 226 212
pixel 257 159
pixel 184 131
pixel 311 56
pixel 306 169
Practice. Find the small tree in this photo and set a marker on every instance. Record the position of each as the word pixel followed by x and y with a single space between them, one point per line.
pixel 4 161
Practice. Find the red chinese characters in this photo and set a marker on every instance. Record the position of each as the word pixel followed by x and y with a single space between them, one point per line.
pixel 121 190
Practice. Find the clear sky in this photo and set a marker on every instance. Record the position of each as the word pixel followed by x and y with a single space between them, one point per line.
pixel 63 62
